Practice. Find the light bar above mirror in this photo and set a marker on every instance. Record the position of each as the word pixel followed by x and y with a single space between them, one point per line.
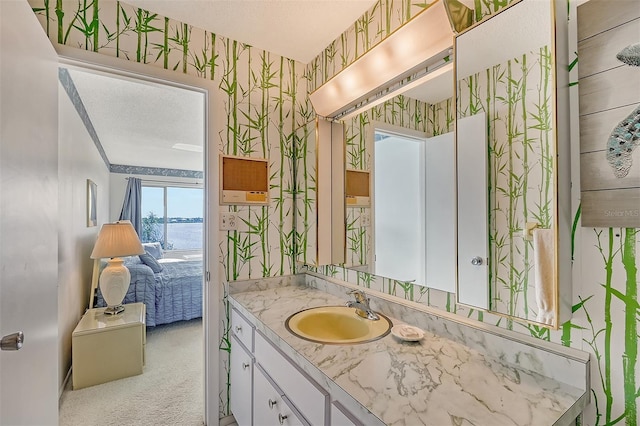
pixel 401 55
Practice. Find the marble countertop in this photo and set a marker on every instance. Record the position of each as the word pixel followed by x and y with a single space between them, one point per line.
pixel 436 381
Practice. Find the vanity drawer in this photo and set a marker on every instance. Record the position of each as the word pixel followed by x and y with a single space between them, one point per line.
pixel 270 406
pixel 304 392
pixel 242 329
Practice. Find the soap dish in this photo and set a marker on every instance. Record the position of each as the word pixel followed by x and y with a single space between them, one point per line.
pixel 407 333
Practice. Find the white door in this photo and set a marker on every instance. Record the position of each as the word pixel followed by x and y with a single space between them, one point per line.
pixel 28 217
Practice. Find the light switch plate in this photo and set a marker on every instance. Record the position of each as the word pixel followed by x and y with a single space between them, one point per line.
pixel 365 219
pixel 228 221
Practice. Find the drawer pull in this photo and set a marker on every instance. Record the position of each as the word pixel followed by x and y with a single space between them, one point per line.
pixel 245 365
pixel 282 418
pixel 272 403
pixel 238 328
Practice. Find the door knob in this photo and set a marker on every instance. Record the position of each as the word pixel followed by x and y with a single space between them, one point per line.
pixel 12 342
pixel 477 261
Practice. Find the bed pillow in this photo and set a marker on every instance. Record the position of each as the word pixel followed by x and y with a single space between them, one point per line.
pixel 154 249
pixel 151 262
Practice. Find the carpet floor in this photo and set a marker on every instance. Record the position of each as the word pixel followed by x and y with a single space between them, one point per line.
pixel 170 391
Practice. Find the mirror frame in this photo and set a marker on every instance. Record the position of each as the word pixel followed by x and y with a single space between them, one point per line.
pixel 561 164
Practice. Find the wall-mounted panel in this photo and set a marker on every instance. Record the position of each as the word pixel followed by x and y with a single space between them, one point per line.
pixel 609 118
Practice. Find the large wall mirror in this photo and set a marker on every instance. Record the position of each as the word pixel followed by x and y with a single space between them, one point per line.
pixel 472 155
pixel 521 87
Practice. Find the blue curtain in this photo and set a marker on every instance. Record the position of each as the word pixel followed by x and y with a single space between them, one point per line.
pixel 132 206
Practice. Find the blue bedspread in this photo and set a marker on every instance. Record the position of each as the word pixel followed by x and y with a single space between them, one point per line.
pixel 173 294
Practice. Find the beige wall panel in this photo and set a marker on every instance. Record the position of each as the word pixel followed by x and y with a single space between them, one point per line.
pixel 598 53
pixel 596 128
pixel 596 173
pixel 615 88
pixel 596 16
pixel 616 208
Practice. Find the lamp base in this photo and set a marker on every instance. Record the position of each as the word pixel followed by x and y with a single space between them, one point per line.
pixel 114 283
pixel 114 310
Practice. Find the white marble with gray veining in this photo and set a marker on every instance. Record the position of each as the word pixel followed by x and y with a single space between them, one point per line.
pixel 438 381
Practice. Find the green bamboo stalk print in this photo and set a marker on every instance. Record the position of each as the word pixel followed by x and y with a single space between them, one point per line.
pixel 139 13
pixel 117 36
pixel 225 346
pixel 266 83
pixel 525 183
pixel 608 259
pixel 214 56
pixel 546 155
pixel 631 308
pixel 293 89
pixel 165 45
pixel 186 31
pixel 280 200
pixel 95 25
pixel 511 191
pixel 60 20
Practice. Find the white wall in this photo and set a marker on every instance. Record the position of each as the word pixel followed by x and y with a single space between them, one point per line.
pixel 78 161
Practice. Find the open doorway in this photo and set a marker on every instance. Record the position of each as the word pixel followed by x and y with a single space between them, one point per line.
pixel 155 133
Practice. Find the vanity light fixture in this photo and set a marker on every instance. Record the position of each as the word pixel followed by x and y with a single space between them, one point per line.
pixel 416 80
pixel 402 54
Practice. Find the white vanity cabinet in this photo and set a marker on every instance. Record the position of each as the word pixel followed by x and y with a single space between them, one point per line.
pixel 269 389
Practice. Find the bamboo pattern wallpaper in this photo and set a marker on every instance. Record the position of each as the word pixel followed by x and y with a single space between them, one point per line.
pixel 265 101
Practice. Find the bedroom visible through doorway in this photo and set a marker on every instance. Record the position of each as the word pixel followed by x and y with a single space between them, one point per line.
pixel 155 133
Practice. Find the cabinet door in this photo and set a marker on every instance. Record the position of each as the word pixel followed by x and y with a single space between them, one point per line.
pixel 308 396
pixel 242 329
pixel 241 380
pixel 341 417
pixel 270 408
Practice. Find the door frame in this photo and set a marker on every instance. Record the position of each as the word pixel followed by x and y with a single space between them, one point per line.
pixel 103 64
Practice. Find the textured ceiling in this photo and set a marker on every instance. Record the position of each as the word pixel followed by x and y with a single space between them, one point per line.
pixel 138 122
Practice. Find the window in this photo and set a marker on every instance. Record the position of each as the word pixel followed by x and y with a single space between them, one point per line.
pixel 172 215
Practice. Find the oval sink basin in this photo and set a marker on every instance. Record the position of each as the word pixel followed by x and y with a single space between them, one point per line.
pixel 337 325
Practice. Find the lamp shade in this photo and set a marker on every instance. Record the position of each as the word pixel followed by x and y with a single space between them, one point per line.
pixel 116 240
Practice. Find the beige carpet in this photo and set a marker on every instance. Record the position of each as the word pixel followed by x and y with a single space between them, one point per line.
pixel 169 392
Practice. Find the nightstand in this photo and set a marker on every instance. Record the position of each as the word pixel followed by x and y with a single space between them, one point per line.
pixel 108 347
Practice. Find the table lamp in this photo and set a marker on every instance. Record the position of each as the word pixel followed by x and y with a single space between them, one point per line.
pixel 116 240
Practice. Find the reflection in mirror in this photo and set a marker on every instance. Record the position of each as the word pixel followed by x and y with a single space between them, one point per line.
pixel 515 86
pixel 319 213
pixel 413 214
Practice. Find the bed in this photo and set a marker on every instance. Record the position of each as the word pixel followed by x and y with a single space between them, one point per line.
pixel 174 293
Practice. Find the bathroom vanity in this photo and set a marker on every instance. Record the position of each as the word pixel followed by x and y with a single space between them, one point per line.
pixel 462 372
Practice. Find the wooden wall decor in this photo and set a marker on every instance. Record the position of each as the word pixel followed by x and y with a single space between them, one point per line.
pixel 609 84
